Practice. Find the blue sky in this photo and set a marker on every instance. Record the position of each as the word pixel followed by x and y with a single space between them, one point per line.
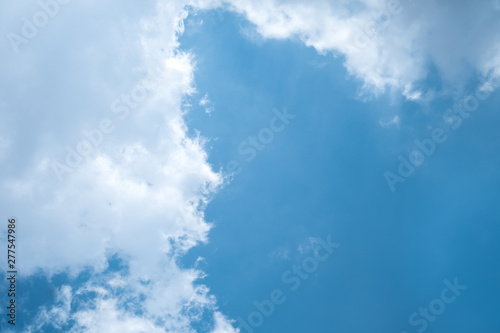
pixel 388 154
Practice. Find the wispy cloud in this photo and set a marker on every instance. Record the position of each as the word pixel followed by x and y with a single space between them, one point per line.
pixel 393 122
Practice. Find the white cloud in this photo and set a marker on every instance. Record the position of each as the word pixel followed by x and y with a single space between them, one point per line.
pixel 103 316
pixel 141 192
pixel 222 324
pixel 106 317
pixel 207 104
pixel 107 310
pixel 456 37
pixel 394 122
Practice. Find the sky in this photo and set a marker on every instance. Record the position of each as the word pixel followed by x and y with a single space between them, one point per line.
pixel 250 166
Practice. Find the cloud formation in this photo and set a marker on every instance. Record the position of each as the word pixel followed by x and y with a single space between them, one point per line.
pixel 390 44
pixel 139 188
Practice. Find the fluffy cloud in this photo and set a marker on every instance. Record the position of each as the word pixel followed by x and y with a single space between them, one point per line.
pixel 135 187
pixel 394 122
pixel 390 44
